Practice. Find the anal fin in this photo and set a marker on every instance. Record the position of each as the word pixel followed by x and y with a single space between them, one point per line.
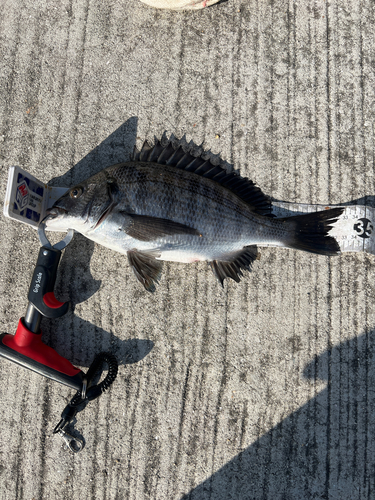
pixel 233 266
pixel 146 268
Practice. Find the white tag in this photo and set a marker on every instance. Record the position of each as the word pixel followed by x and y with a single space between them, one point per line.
pixel 27 198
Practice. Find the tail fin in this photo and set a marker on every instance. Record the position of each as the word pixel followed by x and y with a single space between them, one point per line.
pixel 311 232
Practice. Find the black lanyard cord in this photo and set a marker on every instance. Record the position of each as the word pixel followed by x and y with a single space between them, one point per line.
pixel 86 394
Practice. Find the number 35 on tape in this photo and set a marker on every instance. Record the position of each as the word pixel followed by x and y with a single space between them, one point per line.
pixel 354 230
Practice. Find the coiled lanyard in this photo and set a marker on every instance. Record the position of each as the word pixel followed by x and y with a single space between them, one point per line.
pixel 27 349
pixel 86 394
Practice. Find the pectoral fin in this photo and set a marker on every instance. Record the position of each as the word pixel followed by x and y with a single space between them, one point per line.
pixel 146 268
pixel 233 264
pixel 145 228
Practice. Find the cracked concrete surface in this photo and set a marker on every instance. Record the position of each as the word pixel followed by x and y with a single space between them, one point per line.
pixel 263 390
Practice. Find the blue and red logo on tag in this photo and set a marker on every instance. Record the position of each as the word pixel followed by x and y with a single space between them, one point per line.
pixel 22 196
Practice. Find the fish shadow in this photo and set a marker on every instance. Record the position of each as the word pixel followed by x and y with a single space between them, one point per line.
pixel 117 148
pixel 76 277
pixel 75 282
pixel 324 450
pixel 80 341
pixel 72 337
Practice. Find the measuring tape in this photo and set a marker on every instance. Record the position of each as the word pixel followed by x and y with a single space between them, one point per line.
pixel 27 200
pixel 354 231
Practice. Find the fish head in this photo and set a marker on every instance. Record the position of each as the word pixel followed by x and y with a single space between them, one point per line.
pixel 84 206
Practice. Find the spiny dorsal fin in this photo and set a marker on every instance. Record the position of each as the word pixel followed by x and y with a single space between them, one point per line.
pixel 177 157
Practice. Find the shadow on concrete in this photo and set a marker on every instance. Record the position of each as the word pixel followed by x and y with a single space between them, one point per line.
pixel 323 450
pixel 117 148
pixel 75 282
pixel 75 279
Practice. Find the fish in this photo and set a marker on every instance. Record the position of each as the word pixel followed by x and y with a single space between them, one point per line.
pixel 167 205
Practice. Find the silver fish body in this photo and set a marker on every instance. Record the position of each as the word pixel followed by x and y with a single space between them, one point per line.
pixel 186 211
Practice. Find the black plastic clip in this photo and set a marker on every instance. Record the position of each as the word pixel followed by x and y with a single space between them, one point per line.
pixel 41 295
pixel 86 394
pixel 74 444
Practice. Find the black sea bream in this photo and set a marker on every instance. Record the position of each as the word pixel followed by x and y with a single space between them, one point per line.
pixel 169 205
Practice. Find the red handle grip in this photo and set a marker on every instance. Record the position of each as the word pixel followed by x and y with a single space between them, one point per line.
pixel 30 344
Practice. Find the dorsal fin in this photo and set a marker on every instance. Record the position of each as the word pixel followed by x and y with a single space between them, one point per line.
pixel 177 157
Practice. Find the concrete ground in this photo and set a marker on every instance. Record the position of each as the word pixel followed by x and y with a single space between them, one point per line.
pixel 263 390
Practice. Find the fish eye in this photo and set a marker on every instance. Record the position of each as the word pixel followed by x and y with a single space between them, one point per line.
pixel 76 192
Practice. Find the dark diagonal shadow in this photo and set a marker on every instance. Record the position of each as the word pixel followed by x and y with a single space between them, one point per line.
pixel 117 148
pixel 75 282
pixel 324 450
pixel 74 338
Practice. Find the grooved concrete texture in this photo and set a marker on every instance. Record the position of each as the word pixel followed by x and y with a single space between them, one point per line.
pixel 180 4
pixel 263 390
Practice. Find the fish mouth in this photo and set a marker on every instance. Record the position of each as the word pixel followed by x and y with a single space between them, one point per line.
pixel 54 212
pixel 54 218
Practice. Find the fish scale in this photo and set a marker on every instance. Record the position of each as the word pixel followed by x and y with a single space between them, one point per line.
pixel 163 192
